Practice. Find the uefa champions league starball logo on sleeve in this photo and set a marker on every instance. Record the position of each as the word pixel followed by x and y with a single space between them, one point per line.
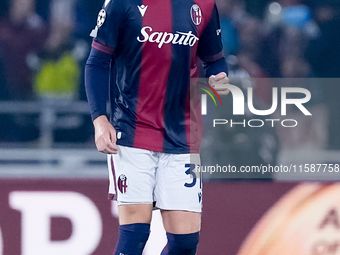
pixel 101 18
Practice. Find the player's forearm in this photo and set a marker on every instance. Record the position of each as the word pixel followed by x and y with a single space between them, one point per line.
pixel 216 67
pixel 100 121
pixel 97 74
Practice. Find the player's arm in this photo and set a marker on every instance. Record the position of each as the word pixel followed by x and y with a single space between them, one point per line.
pixel 210 51
pixel 97 72
pixel 217 73
pixel 219 82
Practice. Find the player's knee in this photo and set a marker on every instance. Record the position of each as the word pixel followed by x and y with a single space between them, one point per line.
pixel 132 238
pixel 129 214
pixel 181 244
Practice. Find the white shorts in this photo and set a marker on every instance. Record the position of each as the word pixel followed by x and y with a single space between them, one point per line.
pixel 142 176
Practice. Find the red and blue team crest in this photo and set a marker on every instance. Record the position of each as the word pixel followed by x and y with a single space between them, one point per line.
pixel 122 183
pixel 196 14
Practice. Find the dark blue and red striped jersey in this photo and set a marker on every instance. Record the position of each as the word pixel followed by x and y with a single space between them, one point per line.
pixel 155 46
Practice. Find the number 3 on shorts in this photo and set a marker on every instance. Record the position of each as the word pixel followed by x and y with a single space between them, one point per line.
pixel 190 171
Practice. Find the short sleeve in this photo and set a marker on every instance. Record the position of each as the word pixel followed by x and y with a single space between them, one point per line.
pixel 210 46
pixel 110 22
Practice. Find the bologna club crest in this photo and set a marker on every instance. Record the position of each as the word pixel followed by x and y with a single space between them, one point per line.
pixel 122 183
pixel 196 14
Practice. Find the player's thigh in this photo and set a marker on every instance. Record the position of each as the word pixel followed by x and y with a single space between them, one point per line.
pixel 132 176
pixel 178 186
pixel 135 213
pixel 181 222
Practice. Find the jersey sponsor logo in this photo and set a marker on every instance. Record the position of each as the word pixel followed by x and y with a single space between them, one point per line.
pixel 142 9
pixel 180 38
pixel 101 18
pixel 122 183
pixel 196 14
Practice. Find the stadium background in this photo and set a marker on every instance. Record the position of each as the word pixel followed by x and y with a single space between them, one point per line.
pixel 53 183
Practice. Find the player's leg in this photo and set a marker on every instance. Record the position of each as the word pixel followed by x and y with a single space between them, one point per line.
pixel 181 222
pixel 134 213
pixel 134 228
pixel 132 179
pixel 178 194
pixel 182 228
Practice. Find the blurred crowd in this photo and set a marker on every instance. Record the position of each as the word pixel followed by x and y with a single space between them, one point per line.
pixel 288 39
pixel 43 50
pixel 44 45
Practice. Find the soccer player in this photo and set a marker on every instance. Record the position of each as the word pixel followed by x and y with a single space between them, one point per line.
pixel 143 55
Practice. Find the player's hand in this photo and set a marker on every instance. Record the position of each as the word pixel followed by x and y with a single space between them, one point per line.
pixel 105 135
pixel 219 82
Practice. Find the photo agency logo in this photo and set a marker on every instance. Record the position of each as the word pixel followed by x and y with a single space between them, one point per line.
pixel 204 97
pixel 300 97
